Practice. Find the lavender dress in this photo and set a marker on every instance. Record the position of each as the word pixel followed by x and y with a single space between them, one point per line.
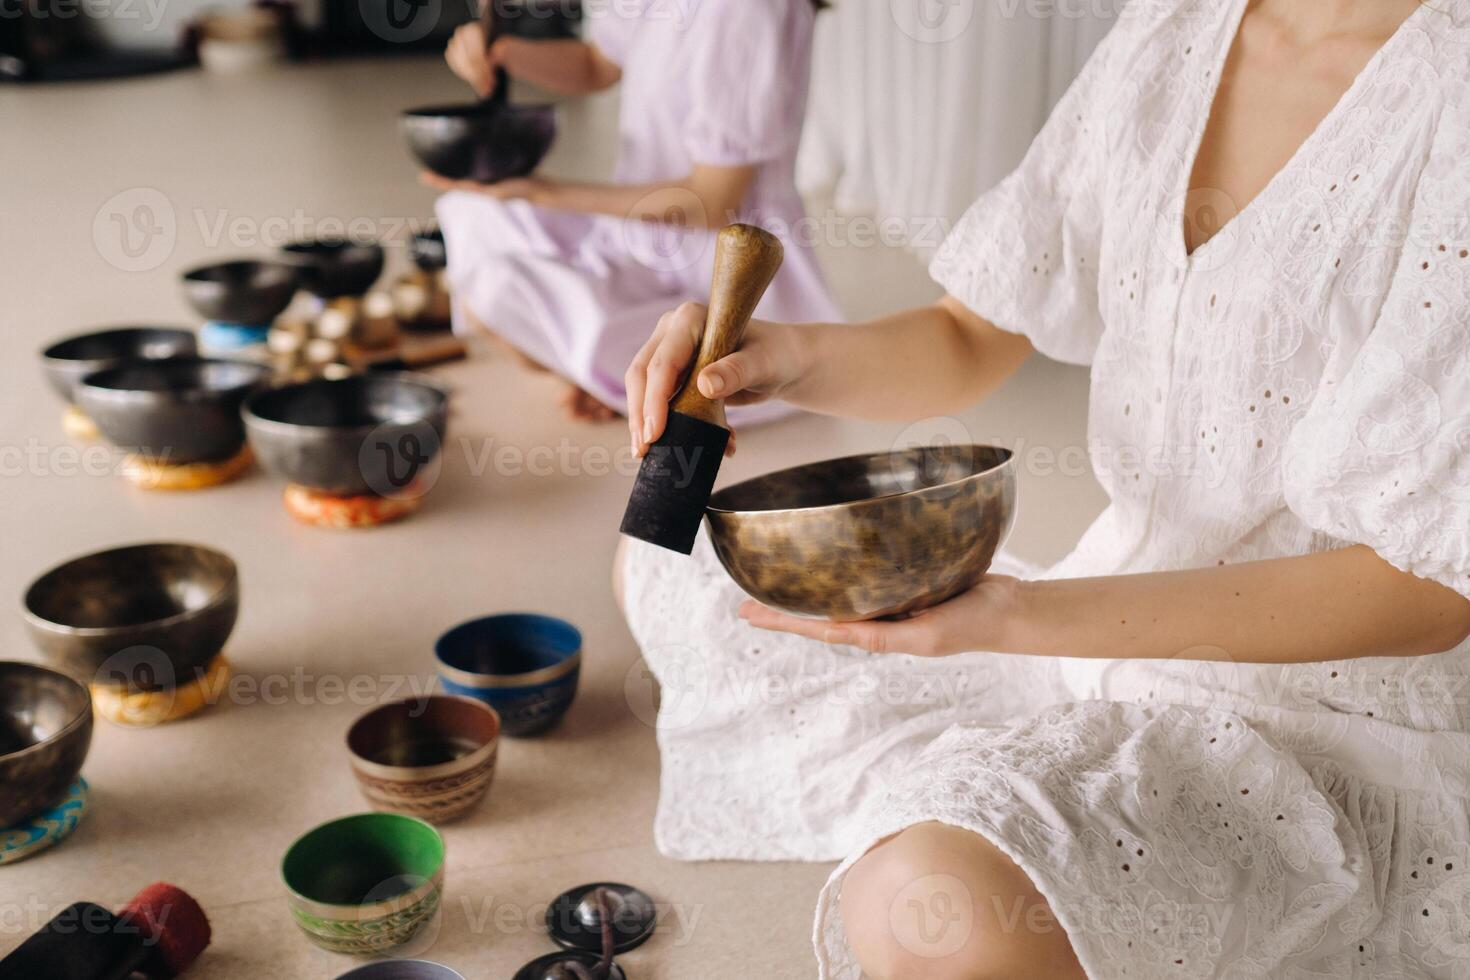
pixel 714 82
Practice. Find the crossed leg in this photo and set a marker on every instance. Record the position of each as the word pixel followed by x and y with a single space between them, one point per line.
pixel 935 902
pixel 573 400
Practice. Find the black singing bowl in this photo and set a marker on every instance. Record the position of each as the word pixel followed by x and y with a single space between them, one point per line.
pixel 179 411
pixel 366 435
pixel 68 361
pixel 333 267
pixel 45 732
pixel 480 142
pixel 147 616
pixel 244 291
pixel 867 536
pixel 427 250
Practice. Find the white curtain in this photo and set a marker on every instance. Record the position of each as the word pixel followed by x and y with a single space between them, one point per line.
pixel 917 106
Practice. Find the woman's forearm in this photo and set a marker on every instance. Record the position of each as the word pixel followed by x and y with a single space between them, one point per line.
pixel 565 67
pixel 1335 605
pixel 707 198
pixel 934 360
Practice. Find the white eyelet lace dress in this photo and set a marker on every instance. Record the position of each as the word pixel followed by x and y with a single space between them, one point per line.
pixel 1300 383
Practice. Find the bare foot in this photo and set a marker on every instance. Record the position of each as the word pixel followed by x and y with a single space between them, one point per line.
pixel 583 407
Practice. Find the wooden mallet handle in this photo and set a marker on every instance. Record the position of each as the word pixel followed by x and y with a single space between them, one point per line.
pixel 746 260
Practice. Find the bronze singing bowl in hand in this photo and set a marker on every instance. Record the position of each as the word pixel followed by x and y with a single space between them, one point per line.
pixel 865 537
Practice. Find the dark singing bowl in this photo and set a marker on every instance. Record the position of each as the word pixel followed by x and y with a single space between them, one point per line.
pixel 68 361
pixel 371 434
pixel 245 291
pixel 179 411
pixel 45 731
pixel 867 536
pixel 333 267
pixel 479 142
pixel 427 250
pixel 147 616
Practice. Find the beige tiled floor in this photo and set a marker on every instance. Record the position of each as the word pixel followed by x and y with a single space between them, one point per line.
pixel 211 803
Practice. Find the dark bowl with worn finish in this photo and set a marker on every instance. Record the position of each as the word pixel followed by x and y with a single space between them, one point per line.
pixel 865 537
pixel 245 291
pixel 68 361
pixel 333 267
pixel 369 434
pixel 45 732
pixel 484 142
pixel 147 616
pixel 181 411
pixel 427 250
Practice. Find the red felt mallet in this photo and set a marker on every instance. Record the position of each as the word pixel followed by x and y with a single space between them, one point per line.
pixel 159 934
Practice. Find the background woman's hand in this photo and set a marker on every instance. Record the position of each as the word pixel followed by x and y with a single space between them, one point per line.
pixel 767 363
pixel 467 58
pixel 983 618
pixel 533 188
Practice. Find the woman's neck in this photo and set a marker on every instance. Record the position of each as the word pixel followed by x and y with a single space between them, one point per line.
pixel 1305 22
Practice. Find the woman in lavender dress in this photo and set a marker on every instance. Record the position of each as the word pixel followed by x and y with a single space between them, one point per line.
pixel 713 94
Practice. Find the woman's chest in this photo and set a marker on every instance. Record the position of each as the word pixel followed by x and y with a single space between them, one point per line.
pixel 667 46
pixel 1242 331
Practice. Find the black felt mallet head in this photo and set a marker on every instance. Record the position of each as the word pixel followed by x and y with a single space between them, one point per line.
pixel 678 474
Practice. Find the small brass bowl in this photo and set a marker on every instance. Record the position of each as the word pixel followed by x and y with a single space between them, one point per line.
pixel 866 537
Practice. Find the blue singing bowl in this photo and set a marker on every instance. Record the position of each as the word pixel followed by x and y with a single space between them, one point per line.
pixel 523 665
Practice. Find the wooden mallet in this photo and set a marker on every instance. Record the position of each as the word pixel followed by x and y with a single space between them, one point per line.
pixel 678 474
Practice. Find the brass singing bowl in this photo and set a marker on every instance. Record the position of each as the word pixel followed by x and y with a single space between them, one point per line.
pixel 867 537
pixel 144 616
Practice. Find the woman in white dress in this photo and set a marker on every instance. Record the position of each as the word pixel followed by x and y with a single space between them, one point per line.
pixel 1229 734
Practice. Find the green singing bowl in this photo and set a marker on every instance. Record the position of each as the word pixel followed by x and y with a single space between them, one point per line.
pixel 367 884
pixel 867 537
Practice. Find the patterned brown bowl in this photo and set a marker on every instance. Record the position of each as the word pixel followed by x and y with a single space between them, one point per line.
pixel 431 758
pixel 864 537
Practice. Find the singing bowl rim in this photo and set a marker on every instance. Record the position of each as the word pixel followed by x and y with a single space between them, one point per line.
pixel 228 592
pixel 383 970
pixel 568 656
pixel 476 111
pixel 252 375
pixel 52 352
pixel 360 911
pixel 285 272
pixel 330 248
pixel 1008 461
pixel 256 421
pixel 79 720
pixel 362 729
pixel 329 264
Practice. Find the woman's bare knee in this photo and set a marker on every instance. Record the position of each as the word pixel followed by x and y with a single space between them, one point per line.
pixel 939 903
